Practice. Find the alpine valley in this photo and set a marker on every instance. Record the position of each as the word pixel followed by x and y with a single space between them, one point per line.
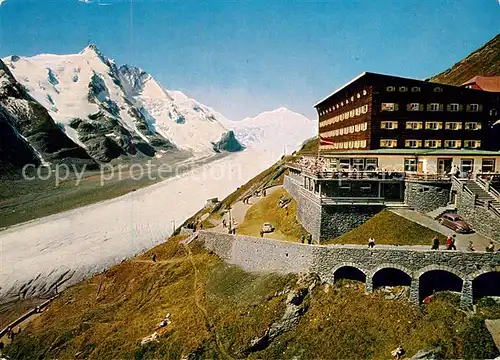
pixel 84 111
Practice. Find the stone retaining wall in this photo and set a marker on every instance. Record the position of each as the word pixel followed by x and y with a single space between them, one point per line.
pixel 325 222
pixel 425 197
pixel 482 220
pixel 267 255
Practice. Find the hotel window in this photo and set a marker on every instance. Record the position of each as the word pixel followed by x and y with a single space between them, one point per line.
pixel 341 103
pixel 452 143
pixel 474 108
pixel 472 144
pixel 403 89
pixel 488 165
pixel 438 89
pixel 352 98
pixel 466 165
pixel 473 126
pixel 414 125
pixel 413 143
pixel 364 109
pixel 413 107
pixel 357 128
pixel 365 92
pixel 493 112
pixel 351 113
pixel 351 144
pixel 358 95
pixel 411 164
pixel 364 126
pixel 357 111
pixel 351 129
pixel 337 106
pixel 363 143
pixel 346 101
pixel 388 143
pixel 453 125
pixel 432 143
pixel 453 107
pixel 433 125
pixel 415 89
pixel 434 107
pixel 389 107
pixel 389 125
pixel 390 88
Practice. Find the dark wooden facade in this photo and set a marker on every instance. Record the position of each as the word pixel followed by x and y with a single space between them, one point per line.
pixel 410 101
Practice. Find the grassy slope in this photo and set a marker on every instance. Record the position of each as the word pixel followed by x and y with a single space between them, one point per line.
pixel 216 311
pixel 267 210
pixel 485 61
pixel 389 228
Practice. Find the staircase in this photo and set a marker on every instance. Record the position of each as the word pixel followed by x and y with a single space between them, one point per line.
pixel 483 197
pixel 436 213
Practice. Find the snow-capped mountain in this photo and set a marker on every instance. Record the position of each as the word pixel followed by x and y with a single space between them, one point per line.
pixel 280 130
pixel 28 134
pixel 113 111
pixel 186 122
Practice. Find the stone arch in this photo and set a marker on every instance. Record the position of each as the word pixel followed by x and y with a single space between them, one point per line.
pixel 485 283
pixel 435 278
pixel 390 275
pixel 434 267
pixel 356 273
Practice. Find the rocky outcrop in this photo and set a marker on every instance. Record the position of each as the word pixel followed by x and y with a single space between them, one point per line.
pixel 228 142
pixel 296 305
pixel 428 354
pixel 28 127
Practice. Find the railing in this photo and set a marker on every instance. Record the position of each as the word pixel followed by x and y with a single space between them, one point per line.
pixel 493 209
pixel 369 174
pixel 487 187
pixel 340 200
pixel 428 176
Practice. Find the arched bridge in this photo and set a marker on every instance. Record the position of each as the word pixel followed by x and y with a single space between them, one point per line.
pixel 473 274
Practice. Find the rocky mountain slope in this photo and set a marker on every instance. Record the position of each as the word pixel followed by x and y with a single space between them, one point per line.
pixel 111 111
pixel 29 135
pixel 485 61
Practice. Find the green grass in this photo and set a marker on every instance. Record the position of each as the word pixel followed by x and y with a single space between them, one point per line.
pixel 310 146
pixel 390 229
pixel 268 210
pixel 217 310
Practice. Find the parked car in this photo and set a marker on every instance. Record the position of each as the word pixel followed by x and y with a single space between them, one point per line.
pixel 267 227
pixel 455 222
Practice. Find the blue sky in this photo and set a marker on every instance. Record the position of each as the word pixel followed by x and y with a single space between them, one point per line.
pixel 245 57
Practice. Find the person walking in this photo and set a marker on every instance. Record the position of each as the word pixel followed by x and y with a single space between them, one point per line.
pixel 448 242
pixel 309 239
pixel 153 257
pixel 371 243
pixel 471 246
pixel 303 239
pixel 490 247
pixel 453 241
pixel 435 243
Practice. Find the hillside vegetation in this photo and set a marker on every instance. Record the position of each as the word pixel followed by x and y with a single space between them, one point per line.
pixel 284 219
pixel 218 310
pixel 389 229
pixel 485 61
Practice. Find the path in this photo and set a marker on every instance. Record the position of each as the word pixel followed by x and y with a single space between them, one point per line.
pixel 200 306
pixel 480 242
pixel 71 246
pixel 239 209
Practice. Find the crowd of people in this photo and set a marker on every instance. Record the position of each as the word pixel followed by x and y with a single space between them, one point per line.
pixel 451 244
